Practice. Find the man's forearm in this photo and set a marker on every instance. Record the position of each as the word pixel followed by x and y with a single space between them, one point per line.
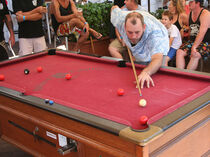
pixel 32 17
pixel 199 39
pixel 154 65
pixel 9 23
pixel 205 24
pixel 31 12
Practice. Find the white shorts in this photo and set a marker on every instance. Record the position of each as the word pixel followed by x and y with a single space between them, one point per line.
pixel 30 45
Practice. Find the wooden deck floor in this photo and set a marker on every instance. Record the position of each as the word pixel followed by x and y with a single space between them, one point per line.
pixel 8 150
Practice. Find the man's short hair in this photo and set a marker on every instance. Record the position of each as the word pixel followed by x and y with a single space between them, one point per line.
pixel 168 14
pixel 201 2
pixel 134 16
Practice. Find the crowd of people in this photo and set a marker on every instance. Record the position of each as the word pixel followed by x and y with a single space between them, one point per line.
pixel 183 31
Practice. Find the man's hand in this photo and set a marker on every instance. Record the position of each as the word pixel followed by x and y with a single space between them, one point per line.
pixel 194 52
pixel 12 39
pixel 152 67
pixel 144 77
pixel 41 9
pixel 19 17
pixel 76 15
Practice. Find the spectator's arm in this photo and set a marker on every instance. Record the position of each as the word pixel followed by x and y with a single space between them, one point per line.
pixel 205 24
pixel 39 9
pixel 74 9
pixel 10 28
pixel 32 17
pixel 171 39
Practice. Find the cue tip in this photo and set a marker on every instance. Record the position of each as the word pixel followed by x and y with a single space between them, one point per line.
pixel 140 94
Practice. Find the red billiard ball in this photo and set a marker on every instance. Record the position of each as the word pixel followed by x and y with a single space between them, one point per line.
pixel 143 120
pixel 2 77
pixel 68 76
pixel 120 92
pixel 39 69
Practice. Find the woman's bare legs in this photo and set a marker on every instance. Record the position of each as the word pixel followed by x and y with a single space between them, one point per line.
pixel 180 59
pixel 167 59
pixel 83 35
pixel 194 59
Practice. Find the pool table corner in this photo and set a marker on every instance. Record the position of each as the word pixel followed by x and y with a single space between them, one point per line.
pixel 141 138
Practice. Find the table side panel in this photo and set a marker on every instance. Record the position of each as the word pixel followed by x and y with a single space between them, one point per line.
pixel 178 136
pixel 100 140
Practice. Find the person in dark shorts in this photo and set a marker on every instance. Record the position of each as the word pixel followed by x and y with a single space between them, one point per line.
pixel 30 29
pixel 198 44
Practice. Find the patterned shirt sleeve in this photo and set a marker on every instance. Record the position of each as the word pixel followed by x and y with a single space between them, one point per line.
pixel 154 40
pixel 118 17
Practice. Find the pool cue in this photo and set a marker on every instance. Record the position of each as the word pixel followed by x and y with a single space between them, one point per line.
pixel 92 46
pixel 134 71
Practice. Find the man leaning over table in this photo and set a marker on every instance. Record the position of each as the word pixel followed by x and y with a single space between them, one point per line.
pixel 145 36
pixel 130 5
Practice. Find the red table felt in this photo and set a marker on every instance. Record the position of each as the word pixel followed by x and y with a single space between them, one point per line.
pixel 94 85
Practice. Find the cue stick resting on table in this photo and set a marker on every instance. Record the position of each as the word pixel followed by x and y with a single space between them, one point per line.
pixel 134 71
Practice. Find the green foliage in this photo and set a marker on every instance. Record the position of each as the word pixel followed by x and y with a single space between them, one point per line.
pixel 158 13
pixel 98 16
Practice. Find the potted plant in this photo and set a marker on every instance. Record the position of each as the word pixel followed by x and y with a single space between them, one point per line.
pixel 158 13
pixel 98 17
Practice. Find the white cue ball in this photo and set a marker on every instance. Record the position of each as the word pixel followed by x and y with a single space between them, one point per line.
pixel 142 102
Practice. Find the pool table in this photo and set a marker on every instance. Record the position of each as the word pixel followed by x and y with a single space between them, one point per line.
pixel 89 119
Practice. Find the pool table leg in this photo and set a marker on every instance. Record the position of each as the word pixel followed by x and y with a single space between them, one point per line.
pixel 142 151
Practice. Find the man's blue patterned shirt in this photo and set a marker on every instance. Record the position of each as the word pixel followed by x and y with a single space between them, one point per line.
pixel 154 39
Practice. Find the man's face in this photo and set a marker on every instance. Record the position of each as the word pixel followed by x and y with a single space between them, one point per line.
pixel 134 31
pixel 192 5
pixel 128 4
